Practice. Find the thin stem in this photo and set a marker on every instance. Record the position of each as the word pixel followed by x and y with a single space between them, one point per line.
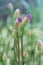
pixel 39 59
pixel 18 49
pixel 1 59
pixel 15 59
pixel 22 50
pixel 33 60
pixel 22 45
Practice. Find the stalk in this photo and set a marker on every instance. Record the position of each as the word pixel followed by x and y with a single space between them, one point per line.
pixel 18 49
pixel 1 58
pixel 33 60
pixel 15 57
pixel 39 59
pixel 22 45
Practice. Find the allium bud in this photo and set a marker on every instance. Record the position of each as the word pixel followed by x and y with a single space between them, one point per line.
pixel 18 21
pixel 25 54
pixel 4 57
pixel 40 45
pixel 17 13
pixel 27 18
pixel 10 6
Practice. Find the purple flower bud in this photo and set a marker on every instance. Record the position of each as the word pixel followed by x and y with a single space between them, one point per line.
pixel 10 6
pixel 19 19
pixel 29 16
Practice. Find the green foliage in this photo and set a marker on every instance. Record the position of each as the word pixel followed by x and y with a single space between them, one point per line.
pixel 9 43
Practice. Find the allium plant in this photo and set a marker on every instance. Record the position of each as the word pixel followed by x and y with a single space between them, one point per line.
pixel 19 27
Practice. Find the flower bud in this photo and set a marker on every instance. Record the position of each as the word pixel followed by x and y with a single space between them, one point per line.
pixel 29 16
pixel 10 6
pixel 40 45
pixel 25 54
pixel 17 13
pixel 19 19
pixel 27 19
pixel 17 22
pixel 4 57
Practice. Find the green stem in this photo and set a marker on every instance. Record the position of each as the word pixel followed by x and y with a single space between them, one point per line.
pixel 22 45
pixel 33 60
pixel 18 49
pixel 39 59
pixel 1 59
pixel 15 58
pixel 22 50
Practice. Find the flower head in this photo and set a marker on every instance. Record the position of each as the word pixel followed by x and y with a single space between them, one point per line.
pixel 27 19
pixel 17 13
pixel 19 19
pixel 29 16
pixel 10 6
pixel 40 45
pixel 4 57
pixel 25 54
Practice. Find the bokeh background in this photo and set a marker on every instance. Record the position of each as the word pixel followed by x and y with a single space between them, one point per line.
pixel 35 7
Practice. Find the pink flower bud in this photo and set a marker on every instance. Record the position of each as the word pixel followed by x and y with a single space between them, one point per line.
pixel 29 16
pixel 17 13
pixel 10 6
pixel 27 19
pixel 40 45
pixel 17 22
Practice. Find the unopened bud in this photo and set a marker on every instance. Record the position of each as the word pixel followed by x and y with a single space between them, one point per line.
pixel 17 13
pixel 10 6
pixel 25 54
pixel 19 19
pixel 4 57
pixel 17 22
pixel 40 45
pixel 27 19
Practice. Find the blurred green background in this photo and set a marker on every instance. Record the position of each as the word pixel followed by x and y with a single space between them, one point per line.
pixel 35 7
